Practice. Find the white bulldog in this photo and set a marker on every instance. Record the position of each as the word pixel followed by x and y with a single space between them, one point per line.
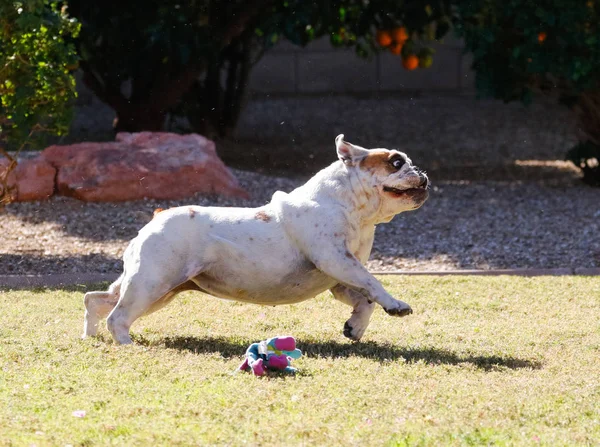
pixel 316 238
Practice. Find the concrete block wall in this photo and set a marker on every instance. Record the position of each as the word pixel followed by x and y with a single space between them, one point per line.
pixel 321 68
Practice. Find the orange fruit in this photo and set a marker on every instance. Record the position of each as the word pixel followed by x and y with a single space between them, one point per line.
pixel 396 48
pixel 410 62
pixel 400 34
pixel 384 38
pixel 542 36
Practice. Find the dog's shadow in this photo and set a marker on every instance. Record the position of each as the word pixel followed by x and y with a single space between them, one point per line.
pixel 368 349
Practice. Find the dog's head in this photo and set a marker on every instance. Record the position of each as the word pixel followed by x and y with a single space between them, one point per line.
pixel 399 185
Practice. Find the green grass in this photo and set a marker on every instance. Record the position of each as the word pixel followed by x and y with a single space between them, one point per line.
pixel 482 361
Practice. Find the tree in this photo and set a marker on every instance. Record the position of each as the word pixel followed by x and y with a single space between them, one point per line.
pixel 148 60
pixel 549 46
pixel 36 84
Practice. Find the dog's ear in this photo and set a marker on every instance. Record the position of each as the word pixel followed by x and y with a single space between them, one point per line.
pixel 349 153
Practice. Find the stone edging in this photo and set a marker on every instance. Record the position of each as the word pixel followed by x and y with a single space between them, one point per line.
pixel 71 279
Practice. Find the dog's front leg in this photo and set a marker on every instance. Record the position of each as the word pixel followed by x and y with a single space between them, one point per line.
pixel 335 260
pixel 362 309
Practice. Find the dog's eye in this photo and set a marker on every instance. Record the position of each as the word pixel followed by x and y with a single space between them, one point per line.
pixel 398 163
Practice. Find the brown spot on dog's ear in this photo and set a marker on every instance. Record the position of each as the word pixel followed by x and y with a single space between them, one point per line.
pixel 378 161
pixel 192 213
pixel 261 215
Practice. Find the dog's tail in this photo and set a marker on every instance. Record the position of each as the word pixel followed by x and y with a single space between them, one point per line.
pixel 115 287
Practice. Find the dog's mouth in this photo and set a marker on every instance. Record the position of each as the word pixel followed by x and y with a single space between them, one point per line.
pixel 410 192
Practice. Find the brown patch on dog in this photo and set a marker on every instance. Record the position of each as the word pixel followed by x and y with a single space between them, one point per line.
pixel 261 215
pixel 192 213
pixel 378 161
pixel 349 255
pixel 157 211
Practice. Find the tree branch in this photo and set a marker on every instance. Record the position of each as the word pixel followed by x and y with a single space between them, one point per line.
pixel 174 89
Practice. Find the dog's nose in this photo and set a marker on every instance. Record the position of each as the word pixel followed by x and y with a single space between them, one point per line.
pixel 424 181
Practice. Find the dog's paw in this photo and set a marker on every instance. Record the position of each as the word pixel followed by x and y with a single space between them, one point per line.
pixel 401 310
pixel 348 331
pixel 352 332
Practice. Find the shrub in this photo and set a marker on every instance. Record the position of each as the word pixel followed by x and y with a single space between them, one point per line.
pixel 36 63
pixel 36 84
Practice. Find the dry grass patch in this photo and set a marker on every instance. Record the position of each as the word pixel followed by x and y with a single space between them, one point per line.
pixel 483 361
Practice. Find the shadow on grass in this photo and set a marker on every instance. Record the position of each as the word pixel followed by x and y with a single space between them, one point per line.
pixel 370 349
pixel 24 263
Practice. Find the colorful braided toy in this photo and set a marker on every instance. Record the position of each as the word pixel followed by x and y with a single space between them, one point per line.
pixel 271 354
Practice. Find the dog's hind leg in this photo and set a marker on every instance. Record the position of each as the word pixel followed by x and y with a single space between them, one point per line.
pixel 140 297
pixel 97 306
pixel 362 309
pixel 137 297
pixel 171 294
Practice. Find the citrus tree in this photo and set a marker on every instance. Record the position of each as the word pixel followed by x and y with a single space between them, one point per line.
pixel 549 46
pixel 149 59
pixel 36 84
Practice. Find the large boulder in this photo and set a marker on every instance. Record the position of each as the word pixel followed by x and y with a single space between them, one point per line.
pixel 33 178
pixel 155 165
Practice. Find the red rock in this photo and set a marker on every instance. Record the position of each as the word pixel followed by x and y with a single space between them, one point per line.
pixel 155 165
pixel 34 179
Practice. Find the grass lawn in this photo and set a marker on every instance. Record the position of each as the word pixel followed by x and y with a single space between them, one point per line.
pixel 482 361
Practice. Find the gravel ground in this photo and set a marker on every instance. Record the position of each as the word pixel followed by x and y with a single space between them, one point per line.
pixel 500 197
pixel 453 138
pixel 464 225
